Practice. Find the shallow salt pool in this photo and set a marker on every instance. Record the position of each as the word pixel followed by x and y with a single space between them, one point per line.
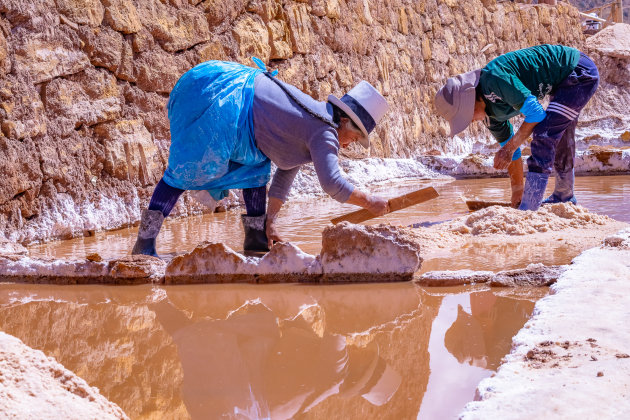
pixel 383 351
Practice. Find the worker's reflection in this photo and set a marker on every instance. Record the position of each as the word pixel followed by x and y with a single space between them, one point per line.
pixel 482 338
pixel 251 365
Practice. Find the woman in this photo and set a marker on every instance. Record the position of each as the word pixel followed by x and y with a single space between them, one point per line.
pixel 229 121
pixel 513 84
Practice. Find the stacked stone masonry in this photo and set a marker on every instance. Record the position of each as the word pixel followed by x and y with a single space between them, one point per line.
pixel 84 84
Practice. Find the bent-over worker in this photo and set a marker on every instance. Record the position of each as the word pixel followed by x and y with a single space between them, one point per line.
pixel 229 122
pixel 513 84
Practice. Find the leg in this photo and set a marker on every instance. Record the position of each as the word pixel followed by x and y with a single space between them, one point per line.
pixel 563 166
pixel 254 222
pixel 563 110
pixel 162 202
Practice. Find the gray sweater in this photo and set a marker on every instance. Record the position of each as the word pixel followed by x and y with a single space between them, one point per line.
pixel 291 137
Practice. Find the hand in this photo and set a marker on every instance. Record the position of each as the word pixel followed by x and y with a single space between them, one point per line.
pixel 377 205
pixel 503 158
pixel 272 232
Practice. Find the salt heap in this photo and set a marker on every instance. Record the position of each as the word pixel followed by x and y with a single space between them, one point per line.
pixel 506 220
pixel 37 385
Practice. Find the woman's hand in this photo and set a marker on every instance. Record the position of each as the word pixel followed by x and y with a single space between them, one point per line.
pixel 372 203
pixel 377 205
pixel 272 232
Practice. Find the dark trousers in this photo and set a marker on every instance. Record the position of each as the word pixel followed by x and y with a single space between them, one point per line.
pixel 553 144
pixel 165 197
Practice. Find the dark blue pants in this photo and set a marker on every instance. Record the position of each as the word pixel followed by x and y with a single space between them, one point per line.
pixel 553 144
pixel 165 197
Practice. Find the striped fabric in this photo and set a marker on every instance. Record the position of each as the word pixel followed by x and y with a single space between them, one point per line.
pixel 563 110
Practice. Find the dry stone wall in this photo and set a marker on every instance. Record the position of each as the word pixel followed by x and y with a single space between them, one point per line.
pixel 84 84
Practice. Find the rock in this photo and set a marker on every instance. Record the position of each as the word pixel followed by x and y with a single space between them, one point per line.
pixel 252 38
pixel 11 248
pixel 82 12
pixel 625 136
pixel 619 240
pixel 49 54
pixel 35 384
pixel 130 151
pixel 129 270
pixel 355 253
pixel 453 278
pixel 104 47
pixel 122 16
pixel 209 263
pixel 534 275
pixel 87 98
pixel 613 41
pixel 137 269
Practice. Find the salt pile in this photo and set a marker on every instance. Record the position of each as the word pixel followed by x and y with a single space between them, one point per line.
pixel 509 221
pixel 37 385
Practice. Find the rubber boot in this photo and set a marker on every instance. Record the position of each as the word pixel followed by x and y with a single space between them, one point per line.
pixel 563 191
pixel 150 226
pixel 255 233
pixel 535 184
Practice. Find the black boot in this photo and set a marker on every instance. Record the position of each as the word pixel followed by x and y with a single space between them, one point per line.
pixel 255 233
pixel 150 226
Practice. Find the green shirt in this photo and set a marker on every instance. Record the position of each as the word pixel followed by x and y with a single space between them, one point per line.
pixel 509 79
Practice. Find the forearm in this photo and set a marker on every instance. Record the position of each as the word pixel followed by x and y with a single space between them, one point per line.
pixel 523 133
pixel 358 198
pixel 273 208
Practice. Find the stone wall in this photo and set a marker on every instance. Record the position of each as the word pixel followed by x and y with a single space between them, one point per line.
pixel 84 83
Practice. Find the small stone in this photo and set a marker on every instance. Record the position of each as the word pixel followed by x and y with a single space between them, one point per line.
pixel 593 358
pixel 622 355
pixel 95 257
pixel 625 136
pixel 600 374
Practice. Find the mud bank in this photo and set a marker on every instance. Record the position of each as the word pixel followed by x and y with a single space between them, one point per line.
pixel 576 346
pixel 35 384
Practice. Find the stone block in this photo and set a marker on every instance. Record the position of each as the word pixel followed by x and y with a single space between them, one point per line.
pixel 82 12
pixel 122 16
pixel 300 28
pixel 49 54
pixel 253 39
pixel 130 151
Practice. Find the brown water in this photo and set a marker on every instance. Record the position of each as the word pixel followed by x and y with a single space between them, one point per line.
pixel 377 351
pixel 386 351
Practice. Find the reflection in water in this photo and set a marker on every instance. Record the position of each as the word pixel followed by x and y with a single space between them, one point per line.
pixel 480 338
pixel 278 351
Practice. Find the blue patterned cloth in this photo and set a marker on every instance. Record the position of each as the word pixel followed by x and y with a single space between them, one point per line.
pixel 212 134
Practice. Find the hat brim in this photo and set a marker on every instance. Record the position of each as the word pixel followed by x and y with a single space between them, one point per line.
pixel 365 140
pixel 465 112
pixel 466 105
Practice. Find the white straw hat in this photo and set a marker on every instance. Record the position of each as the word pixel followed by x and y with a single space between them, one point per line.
pixel 365 106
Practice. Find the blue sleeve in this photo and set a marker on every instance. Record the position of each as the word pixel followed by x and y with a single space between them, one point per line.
pixel 517 153
pixel 533 111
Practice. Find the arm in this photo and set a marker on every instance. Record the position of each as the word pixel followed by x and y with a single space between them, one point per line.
pixel 503 157
pixel 515 170
pixel 278 192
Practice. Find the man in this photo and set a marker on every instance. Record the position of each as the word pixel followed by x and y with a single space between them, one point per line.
pixel 514 84
pixel 229 121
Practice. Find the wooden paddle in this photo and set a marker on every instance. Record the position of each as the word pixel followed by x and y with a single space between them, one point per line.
pixel 395 204
pixel 474 205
